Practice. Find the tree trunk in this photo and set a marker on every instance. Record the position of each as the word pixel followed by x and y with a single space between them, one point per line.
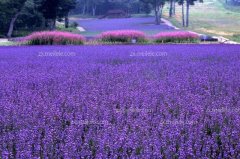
pixel 157 19
pixel 43 25
pixel 54 24
pixel 87 9
pixel 51 24
pixel 11 26
pixel 187 14
pixel 66 21
pixel 174 7
pixel 94 10
pixel 84 9
pixel 183 15
pixel 171 8
pixel 13 20
pixel 139 10
pixel 161 11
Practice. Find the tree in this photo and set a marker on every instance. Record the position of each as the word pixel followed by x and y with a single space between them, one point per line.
pixel 32 14
pixel 64 8
pixel 30 18
pixel 101 7
pixel 181 2
pixel 49 10
pixel 185 19
pixel 93 5
pixel 53 9
pixel 16 9
pixel 4 12
pixel 158 8
pixel 147 8
pixel 171 8
pixel 90 7
pixel 190 3
pixel 174 7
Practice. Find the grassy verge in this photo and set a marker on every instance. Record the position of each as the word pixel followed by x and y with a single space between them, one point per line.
pixel 141 15
pixel 82 16
pixel 212 18
pixel 61 27
pixel 8 43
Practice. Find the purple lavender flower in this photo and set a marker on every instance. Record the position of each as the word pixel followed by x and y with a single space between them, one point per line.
pixel 68 106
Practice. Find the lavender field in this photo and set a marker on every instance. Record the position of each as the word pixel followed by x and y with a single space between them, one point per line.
pixel 153 101
pixel 143 24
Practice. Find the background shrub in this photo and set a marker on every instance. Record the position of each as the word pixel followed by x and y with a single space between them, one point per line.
pixel 176 37
pixel 54 38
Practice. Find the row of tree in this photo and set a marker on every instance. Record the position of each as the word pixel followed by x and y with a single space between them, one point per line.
pixel 42 14
pixel 158 6
pixel 101 7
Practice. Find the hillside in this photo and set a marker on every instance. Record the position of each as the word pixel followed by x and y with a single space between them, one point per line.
pixel 211 17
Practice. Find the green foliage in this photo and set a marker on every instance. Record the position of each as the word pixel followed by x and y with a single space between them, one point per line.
pixel 72 28
pixel 177 40
pixel 74 24
pixel 8 8
pixel 101 7
pixel 236 37
pixel 33 14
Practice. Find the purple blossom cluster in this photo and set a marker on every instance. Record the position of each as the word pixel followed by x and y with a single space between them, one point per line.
pixel 143 24
pixel 104 103
pixel 54 38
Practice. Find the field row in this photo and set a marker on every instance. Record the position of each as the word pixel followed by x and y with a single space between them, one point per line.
pixel 167 101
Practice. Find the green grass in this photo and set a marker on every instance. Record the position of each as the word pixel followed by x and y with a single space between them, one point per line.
pixel 82 16
pixel 141 15
pixel 212 18
pixel 61 27
pixel 230 7
pixel 90 33
pixel 236 37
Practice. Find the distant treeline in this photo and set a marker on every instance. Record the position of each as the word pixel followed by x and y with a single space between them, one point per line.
pixel 20 15
pixel 101 7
